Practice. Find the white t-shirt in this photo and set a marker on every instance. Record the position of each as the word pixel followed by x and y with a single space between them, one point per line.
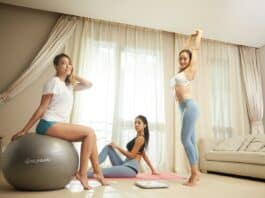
pixel 61 104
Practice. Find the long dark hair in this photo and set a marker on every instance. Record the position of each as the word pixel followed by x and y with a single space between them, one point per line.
pixel 190 56
pixel 146 130
pixel 70 78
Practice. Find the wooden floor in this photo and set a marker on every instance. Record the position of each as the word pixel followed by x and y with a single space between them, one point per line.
pixel 211 186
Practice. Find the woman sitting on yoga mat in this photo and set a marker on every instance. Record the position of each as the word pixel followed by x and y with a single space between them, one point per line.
pixel 53 114
pixel 135 151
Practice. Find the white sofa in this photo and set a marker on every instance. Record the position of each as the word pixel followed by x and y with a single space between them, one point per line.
pixel 244 156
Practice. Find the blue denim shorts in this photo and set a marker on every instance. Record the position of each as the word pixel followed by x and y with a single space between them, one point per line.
pixel 43 126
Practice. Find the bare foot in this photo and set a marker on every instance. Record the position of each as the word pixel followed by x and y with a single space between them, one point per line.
pixel 75 175
pixel 193 180
pixel 100 179
pixel 83 180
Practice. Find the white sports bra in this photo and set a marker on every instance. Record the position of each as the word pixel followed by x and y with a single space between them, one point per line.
pixel 179 79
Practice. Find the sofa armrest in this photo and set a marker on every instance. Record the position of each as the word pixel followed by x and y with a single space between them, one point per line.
pixel 205 145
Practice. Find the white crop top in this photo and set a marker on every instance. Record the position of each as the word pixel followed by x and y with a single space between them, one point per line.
pixel 61 104
pixel 179 79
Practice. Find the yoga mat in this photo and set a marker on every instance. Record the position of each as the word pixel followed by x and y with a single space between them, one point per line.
pixel 149 176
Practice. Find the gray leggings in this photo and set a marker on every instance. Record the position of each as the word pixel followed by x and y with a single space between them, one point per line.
pixel 120 168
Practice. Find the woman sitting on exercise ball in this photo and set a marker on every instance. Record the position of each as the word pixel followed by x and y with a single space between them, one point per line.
pixel 134 153
pixel 54 112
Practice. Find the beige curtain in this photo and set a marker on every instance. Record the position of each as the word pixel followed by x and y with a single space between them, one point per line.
pixel 252 81
pixel 219 93
pixel 58 37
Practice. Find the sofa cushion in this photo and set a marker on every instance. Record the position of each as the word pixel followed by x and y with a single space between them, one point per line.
pixel 239 156
pixel 257 143
pixel 230 144
pixel 248 139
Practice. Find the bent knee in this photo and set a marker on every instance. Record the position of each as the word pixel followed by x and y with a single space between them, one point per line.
pixel 186 142
pixel 184 139
pixel 90 132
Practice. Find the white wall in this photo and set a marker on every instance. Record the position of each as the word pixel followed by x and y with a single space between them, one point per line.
pixel 261 60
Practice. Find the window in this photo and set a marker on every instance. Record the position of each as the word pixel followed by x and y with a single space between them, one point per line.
pixel 126 82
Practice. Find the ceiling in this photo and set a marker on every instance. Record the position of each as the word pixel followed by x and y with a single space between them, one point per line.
pixel 234 21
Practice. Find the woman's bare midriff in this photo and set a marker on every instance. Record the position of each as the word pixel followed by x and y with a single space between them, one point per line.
pixel 183 92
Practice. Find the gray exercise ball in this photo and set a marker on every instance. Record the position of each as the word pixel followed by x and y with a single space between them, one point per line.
pixel 39 162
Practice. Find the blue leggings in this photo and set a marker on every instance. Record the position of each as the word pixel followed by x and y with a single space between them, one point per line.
pixel 120 168
pixel 190 113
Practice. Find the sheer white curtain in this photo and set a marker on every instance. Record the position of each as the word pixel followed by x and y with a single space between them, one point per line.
pixel 252 80
pixel 125 64
pixel 219 93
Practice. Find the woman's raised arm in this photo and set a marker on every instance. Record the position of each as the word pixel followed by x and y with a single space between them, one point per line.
pixel 194 48
pixel 82 84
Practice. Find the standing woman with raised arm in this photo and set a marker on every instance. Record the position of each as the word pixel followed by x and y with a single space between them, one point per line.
pixel 54 112
pixel 181 83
